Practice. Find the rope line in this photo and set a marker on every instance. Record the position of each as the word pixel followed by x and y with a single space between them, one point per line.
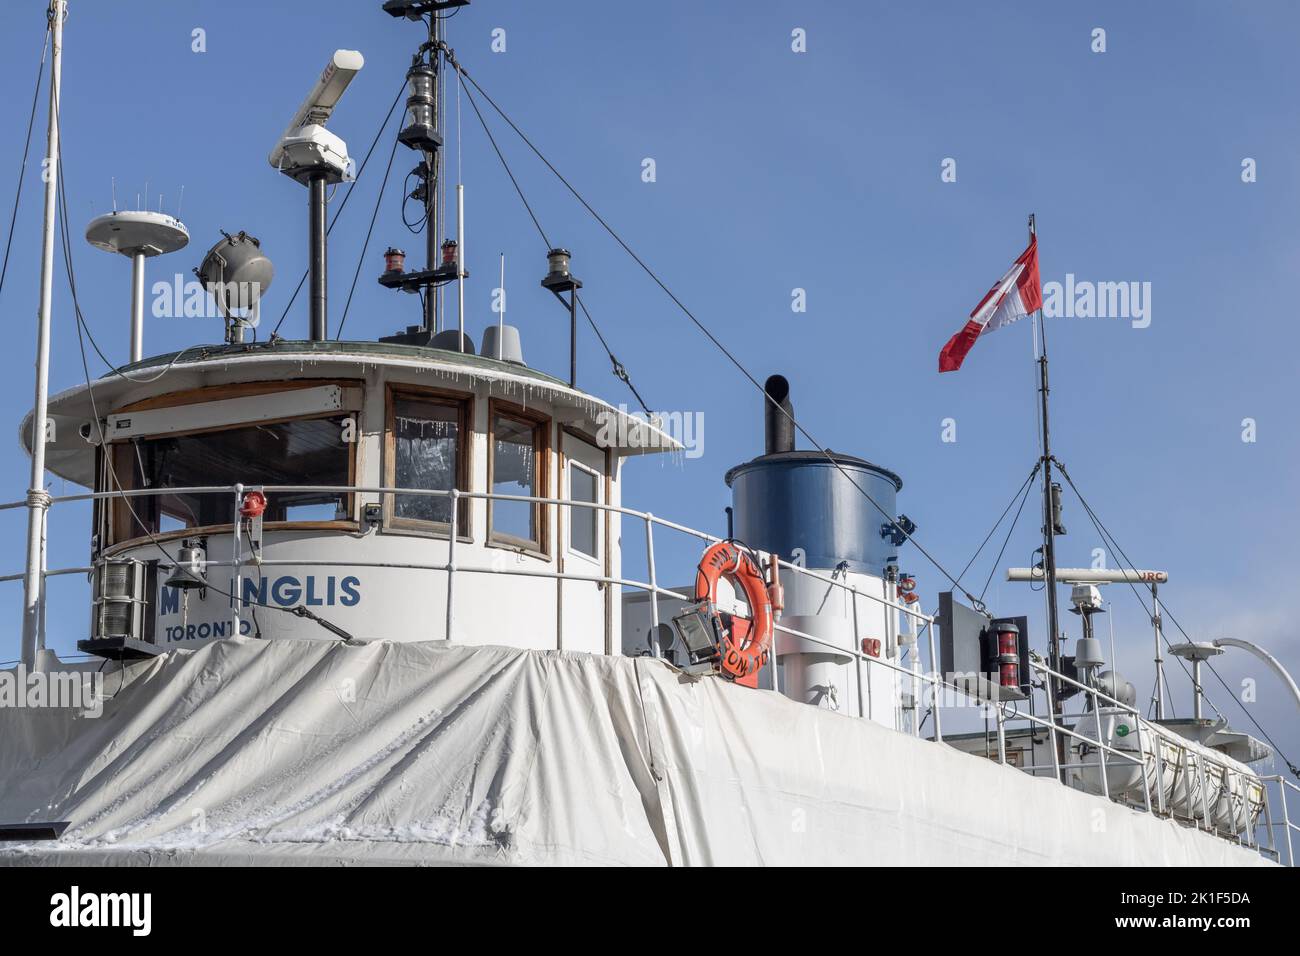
pixel 891 520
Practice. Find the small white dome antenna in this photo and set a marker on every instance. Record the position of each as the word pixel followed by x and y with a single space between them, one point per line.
pixel 139 235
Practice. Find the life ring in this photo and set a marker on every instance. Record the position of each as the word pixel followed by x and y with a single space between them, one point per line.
pixel 745 641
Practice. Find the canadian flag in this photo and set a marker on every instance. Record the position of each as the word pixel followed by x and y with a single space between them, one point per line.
pixel 1016 294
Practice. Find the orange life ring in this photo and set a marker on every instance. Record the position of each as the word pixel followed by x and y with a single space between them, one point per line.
pixel 747 641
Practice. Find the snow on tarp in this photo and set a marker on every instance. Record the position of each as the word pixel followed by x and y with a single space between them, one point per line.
pixel 285 751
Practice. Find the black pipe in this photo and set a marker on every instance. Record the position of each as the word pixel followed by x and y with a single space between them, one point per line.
pixel 573 338
pixel 778 416
pixel 318 282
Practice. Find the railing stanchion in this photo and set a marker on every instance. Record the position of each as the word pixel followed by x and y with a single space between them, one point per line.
pixel 1268 825
pixel 237 598
pixel 1002 732
pixel 1142 761
pixel 451 561
pixel 869 711
pixel 1205 792
pixel 1158 748
pixel 936 683
pixel 1286 821
pixel 1051 722
pixel 1101 746
pixel 654 585
pixel 917 716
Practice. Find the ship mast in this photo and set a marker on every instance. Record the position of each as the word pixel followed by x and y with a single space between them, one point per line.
pixel 1051 507
pixel 38 500
pixel 423 133
pixel 433 175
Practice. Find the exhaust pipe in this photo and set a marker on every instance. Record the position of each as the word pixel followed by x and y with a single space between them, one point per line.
pixel 778 416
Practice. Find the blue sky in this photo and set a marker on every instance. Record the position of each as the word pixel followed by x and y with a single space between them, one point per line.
pixel 775 171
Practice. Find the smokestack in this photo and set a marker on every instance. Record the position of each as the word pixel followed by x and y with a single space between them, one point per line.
pixel 778 416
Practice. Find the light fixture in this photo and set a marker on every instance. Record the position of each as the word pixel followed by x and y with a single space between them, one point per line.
pixel 560 280
pixel 697 625
pixel 236 273
pixel 420 131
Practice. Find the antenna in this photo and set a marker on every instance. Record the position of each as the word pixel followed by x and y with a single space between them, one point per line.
pixel 501 319
pixel 315 157
pixel 138 235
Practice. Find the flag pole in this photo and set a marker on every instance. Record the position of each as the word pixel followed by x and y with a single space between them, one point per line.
pixel 38 500
pixel 1050 517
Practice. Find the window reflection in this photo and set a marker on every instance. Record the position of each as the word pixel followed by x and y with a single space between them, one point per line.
pixel 426 440
pixel 515 471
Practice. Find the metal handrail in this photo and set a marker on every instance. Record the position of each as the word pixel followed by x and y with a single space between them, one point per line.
pixel 933 678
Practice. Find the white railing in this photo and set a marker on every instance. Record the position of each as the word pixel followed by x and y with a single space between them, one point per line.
pixel 1005 712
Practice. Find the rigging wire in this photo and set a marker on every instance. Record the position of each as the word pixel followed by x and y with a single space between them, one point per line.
pixel 22 168
pixel 1007 540
pixel 1010 504
pixel 365 246
pixel 1165 612
pixel 891 520
pixel 619 369
pixel 343 202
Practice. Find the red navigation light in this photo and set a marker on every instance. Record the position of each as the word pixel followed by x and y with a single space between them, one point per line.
pixel 1008 654
pixel 394 260
pixel 253 504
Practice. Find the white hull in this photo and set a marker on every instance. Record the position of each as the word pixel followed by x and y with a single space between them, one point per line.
pixel 308 752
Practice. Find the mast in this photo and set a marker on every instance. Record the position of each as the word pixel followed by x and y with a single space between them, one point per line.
pixel 38 500
pixel 423 133
pixel 433 176
pixel 1050 508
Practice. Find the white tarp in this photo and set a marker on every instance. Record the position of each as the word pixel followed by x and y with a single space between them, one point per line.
pixel 287 751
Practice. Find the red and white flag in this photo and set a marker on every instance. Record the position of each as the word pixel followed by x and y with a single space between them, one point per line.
pixel 1016 294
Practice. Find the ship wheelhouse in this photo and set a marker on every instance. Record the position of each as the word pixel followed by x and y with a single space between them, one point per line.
pixel 500 471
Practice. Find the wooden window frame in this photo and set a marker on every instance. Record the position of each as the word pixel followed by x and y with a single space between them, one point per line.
pixel 117 511
pixel 464 403
pixel 541 426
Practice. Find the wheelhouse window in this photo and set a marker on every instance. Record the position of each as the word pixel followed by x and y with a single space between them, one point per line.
pixel 427 449
pixel 518 449
pixel 303 451
pixel 584 523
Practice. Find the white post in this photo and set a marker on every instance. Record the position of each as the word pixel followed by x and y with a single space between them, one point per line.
pixel 501 318
pixel 1160 661
pixel 237 560
pixel 654 583
pixel 460 259
pixel 452 533
pixel 137 306
pixel 37 498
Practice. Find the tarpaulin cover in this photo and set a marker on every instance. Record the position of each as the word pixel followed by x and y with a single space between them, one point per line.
pixel 285 751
